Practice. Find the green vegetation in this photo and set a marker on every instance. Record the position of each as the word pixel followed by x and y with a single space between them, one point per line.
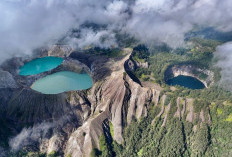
pixel 140 153
pixel 201 140
pixel 95 153
pixel 229 118
pixel 108 147
pixel 160 60
pixel 105 147
pixel 201 45
pixel 111 129
pixel 147 137
pixel 199 105
pixel 52 154
pixel 26 154
pixel 219 111
pixel 140 53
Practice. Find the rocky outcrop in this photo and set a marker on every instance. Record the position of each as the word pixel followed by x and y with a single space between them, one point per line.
pixel 98 65
pixel 142 64
pixel 59 50
pixel 132 65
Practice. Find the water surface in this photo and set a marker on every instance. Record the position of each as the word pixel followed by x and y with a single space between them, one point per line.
pixel 40 65
pixel 62 82
pixel 186 81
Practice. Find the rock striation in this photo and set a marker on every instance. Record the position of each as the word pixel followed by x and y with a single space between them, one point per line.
pixel 114 98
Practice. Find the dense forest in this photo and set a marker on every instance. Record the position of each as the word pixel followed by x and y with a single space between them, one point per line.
pixel 146 137
pixel 177 138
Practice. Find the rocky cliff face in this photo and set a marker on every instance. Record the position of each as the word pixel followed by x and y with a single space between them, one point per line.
pixel 59 50
pixel 114 97
pixel 193 71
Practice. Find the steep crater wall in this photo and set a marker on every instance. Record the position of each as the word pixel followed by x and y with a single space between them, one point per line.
pixel 204 75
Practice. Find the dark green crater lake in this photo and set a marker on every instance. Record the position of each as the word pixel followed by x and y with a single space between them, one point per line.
pixel 186 81
pixel 40 65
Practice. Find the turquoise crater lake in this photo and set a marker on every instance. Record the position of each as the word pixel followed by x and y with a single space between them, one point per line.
pixel 186 81
pixel 62 82
pixel 40 65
